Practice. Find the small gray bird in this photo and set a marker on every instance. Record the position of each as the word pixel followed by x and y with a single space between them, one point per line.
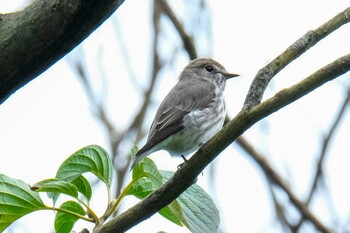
pixel 192 112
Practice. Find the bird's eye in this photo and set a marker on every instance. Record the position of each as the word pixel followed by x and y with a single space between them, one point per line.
pixel 209 68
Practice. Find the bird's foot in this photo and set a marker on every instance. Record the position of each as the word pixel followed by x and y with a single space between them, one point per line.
pixel 181 164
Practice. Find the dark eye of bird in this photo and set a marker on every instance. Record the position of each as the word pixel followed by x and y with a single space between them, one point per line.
pixel 209 68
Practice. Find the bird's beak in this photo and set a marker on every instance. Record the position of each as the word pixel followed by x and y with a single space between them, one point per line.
pixel 229 75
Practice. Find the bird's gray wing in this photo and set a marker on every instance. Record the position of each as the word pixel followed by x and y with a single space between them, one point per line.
pixel 181 100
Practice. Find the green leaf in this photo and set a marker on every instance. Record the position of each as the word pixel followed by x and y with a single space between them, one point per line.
pixel 83 186
pixel 16 200
pixel 194 208
pixel 141 188
pixel 169 211
pixel 198 210
pixel 93 159
pixel 64 222
pixel 133 151
pixel 56 186
pixel 147 168
pixel 149 179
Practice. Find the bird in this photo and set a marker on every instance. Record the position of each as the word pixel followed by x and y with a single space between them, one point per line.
pixel 192 112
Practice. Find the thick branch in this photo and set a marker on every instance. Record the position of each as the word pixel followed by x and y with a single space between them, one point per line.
pixel 185 176
pixel 33 39
pixel 300 46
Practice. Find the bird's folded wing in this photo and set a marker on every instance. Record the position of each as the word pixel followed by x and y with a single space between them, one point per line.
pixel 177 104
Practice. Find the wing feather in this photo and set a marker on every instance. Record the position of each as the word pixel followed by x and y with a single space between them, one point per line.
pixel 177 104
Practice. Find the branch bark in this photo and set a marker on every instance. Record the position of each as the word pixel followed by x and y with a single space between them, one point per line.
pixel 33 39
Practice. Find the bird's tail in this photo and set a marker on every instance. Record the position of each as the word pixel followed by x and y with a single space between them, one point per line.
pixel 138 158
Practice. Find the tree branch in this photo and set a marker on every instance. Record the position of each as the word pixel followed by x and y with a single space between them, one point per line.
pixel 326 142
pixel 156 67
pixel 33 39
pixel 278 180
pixel 186 39
pixel 186 176
pixel 300 46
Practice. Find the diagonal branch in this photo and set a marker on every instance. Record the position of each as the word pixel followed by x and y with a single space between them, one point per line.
pixel 186 176
pixel 273 178
pixel 326 142
pixel 300 46
pixel 278 180
pixel 279 209
pixel 33 39
pixel 187 40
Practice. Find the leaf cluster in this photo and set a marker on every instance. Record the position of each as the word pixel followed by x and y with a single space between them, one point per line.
pixel 193 209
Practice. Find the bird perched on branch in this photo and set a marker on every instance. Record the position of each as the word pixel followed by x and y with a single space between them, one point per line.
pixel 192 112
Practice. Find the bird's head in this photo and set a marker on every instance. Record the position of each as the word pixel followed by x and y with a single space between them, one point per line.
pixel 207 69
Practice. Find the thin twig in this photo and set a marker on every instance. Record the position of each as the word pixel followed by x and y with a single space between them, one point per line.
pixel 278 180
pixel 326 142
pixel 186 39
pixel 123 48
pixel 279 209
pixel 136 124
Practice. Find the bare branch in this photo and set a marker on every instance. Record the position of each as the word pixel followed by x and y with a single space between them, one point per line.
pixel 326 142
pixel 124 52
pixel 278 180
pixel 136 124
pixel 322 156
pixel 186 39
pixel 279 209
pixel 312 37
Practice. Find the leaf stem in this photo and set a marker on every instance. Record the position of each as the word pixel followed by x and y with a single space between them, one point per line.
pixel 71 213
pixel 118 200
pixel 90 211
